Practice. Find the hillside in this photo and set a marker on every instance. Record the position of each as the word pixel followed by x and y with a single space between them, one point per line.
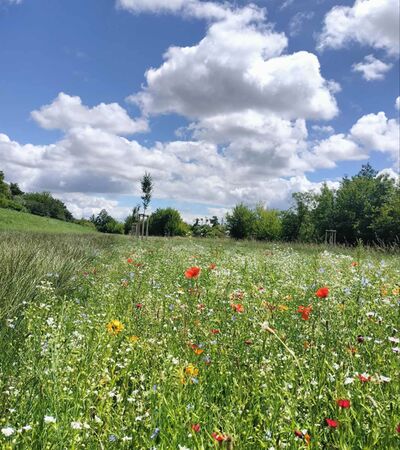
pixel 18 221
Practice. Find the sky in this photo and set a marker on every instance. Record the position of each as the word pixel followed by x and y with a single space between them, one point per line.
pixel 222 102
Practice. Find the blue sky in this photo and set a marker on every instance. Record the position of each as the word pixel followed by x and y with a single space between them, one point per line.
pixel 245 142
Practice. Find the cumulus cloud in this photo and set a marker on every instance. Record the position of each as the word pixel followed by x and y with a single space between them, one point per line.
pixel 377 132
pixel 397 103
pixel 372 68
pixel 237 66
pixel 67 112
pixel 374 23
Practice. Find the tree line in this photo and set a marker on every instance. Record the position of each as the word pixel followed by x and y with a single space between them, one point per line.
pixel 365 207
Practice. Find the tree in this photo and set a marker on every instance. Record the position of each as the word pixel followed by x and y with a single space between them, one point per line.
pixel 323 213
pixel 4 189
pixel 268 224
pixel 107 224
pixel 167 222
pixel 147 189
pixel 240 222
pixel 15 190
pixel 44 204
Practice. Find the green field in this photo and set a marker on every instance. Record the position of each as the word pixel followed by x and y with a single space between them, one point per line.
pixel 19 221
pixel 106 344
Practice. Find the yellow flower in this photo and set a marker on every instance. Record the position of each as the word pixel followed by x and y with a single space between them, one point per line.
pixel 192 370
pixel 283 307
pixel 133 339
pixel 115 327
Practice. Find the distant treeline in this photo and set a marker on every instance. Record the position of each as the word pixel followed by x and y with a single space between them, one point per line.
pixel 365 207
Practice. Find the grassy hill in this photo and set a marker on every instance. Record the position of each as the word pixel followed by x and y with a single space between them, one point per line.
pixel 18 221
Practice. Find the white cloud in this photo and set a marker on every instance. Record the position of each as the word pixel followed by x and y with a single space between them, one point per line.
pixel 325 129
pixel 397 103
pixel 238 66
pixel 297 21
pixel 192 8
pixel 369 22
pixel 337 147
pixel 390 173
pixel 372 68
pixel 67 112
pixel 11 2
pixel 377 132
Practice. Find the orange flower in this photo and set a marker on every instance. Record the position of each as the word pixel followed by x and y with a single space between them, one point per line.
pixel 237 307
pixel 198 351
pixel 129 260
pixel 192 272
pixel 115 327
pixel 305 311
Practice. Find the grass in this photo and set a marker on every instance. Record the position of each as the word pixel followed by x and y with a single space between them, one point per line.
pixel 120 350
pixel 19 221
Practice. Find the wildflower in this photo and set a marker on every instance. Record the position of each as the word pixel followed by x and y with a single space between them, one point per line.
pixel 343 403
pixel 8 431
pixel 322 292
pixel 139 305
pixel 129 260
pixel 220 437
pixel 283 307
pixel 354 264
pixel 212 266
pixel 305 311
pixel 394 340
pixel 398 428
pixel 156 432
pixel 215 331
pixel 133 339
pixel 27 428
pixel 198 351
pixel 364 377
pixel 192 272
pixel 192 370
pixel 196 427
pixel 360 339
pixel 115 327
pixel 76 425
pixel 265 327
pixel 49 419
pixel 237 307
pixel 332 423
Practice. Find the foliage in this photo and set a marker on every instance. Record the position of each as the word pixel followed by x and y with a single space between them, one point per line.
pixel 131 220
pixel 167 222
pixel 241 222
pixel 44 204
pixel 147 189
pixel 107 224
pixel 268 225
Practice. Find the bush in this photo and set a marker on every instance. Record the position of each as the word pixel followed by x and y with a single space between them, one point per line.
pixel 241 223
pixel 167 222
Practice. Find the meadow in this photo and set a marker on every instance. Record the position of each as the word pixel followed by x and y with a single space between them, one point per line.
pixel 113 343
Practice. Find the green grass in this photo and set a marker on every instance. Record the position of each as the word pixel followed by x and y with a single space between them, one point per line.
pixel 186 354
pixel 19 221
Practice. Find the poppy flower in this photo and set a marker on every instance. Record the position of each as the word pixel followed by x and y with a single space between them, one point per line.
pixel 305 311
pixel 215 331
pixel 237 307
pixel 192 272
pixel 332 423
pixel 212 266
pixel 298 433
pixel 196 427
pixel 198 351
pixel 322 292
pixel 354 263
pixel 129 260
pixel 220 437
pixel 343 403
pixel 139 305
pixel 398 428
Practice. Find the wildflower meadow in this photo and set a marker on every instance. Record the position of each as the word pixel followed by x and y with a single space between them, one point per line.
pixel 199 344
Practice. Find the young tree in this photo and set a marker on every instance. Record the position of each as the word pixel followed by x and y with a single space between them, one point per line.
pixel 147 190
pixel 241 223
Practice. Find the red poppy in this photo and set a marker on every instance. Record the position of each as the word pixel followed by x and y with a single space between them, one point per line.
pixel 298 433
pixel 129 260
pixel 237 307
pixel 305 311
pixel 196 427
pixel 212 266
pixel 363 378
pixel 332 423
pixel 398 428
pixel 215 331
pixel 192 272
pixel 322 292
pixel 354 264
pixel 139 305
pixel 343 403
pixel 219 437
